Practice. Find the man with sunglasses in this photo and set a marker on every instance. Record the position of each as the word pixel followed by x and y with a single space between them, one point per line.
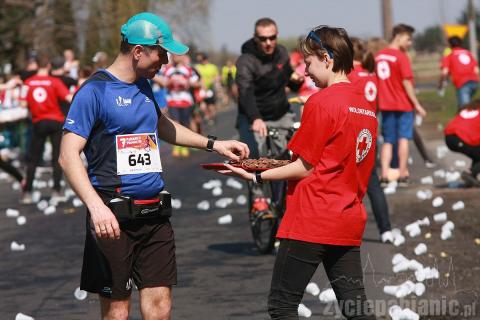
pixel 263 74
pixel 116 121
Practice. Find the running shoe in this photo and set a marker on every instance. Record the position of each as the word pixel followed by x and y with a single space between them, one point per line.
pixel 26 198
pixel 387 236
pixel 403 182
pixel 430 164
pixel 57 197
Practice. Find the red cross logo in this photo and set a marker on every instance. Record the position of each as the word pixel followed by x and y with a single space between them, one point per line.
pixel 364 143
pixel 370 91
pixel 362 146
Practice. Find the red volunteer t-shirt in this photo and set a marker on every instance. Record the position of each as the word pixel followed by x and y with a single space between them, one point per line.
pixel 466 125
pixel 461 66
pixel 42 95
pixel 366 82
pixel 393 66
pixel 337 137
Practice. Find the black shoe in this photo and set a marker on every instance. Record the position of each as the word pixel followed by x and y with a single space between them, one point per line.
pixel 470 181
pixel 403 182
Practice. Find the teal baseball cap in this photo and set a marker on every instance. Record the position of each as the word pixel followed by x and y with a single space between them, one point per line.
pixel 149 29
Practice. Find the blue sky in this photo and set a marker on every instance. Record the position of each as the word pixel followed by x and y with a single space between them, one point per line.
pixel 231 21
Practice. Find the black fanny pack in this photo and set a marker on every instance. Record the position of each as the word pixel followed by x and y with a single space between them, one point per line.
pixel 125 208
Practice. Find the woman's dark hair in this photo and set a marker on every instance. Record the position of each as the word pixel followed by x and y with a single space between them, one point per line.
pixel 361 54
pixel 334 42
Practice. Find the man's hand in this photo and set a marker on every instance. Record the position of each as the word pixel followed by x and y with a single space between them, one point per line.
pixel 259 126
pixel 420 110
pixel 106 225
pixel 232 149
pixel 297 78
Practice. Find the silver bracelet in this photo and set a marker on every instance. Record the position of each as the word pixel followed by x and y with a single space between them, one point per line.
pixel 254 178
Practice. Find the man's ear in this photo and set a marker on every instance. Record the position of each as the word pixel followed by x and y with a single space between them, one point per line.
pixel 137 52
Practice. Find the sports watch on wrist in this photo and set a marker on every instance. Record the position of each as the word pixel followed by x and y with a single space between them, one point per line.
pixel 211 141
pixel 258 177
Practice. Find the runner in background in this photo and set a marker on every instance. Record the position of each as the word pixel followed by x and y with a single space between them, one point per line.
pixel 196 116
pixel 8 100
pixel 100 60
pixel 58 71
pixel 179 80
pixel 83 75
pixel 363 76
pixel 71 65
pixel 397 101
pixel 42 95
pixel 229 72
pixel 462 66
pixel 210 78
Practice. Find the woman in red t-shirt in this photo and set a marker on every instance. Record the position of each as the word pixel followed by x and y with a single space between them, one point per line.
pixel 334 153
pixel 462 134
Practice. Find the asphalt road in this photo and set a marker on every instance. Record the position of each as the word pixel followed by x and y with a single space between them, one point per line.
pixel 221 275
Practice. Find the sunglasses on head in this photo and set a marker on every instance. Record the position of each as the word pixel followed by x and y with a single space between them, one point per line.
pixel 264 39
pixel 315 38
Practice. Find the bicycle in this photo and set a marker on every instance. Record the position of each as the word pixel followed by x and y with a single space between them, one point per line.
pixel 264 223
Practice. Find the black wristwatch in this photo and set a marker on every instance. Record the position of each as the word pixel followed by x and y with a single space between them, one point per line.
pixel 211 141
pixel 258 177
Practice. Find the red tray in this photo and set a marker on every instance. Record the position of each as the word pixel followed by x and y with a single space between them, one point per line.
pixel 221 166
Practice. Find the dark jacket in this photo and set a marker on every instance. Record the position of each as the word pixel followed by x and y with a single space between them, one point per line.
pixel 261 81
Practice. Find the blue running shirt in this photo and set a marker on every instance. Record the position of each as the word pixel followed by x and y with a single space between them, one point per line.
pixel 105 107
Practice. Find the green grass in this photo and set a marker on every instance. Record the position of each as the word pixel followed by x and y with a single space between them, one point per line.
pixel 440 109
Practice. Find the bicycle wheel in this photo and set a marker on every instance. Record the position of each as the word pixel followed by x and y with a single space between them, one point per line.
pixel 264 227
pixel 263 223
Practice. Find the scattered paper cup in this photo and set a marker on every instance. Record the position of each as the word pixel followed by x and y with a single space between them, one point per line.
pixel 459 205
pixel 12 213
pixel 440 217
pixel 437 202
pixel 14 246
pixel 312 288
pixel 21 220
pixel 226 219
pixel 420 249
pixel 203 205
pixel 303 311
pixel 80 294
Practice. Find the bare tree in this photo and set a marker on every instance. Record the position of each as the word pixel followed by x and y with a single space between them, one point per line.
pixel 188 18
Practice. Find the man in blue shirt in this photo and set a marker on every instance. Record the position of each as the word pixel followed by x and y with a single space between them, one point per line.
pixel 115 120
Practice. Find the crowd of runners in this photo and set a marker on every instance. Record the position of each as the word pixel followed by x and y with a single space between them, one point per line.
pixel 117 111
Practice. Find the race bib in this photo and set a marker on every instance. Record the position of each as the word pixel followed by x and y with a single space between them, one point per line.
pixel 137 153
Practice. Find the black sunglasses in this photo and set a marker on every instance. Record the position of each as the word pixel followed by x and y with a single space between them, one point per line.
pixel 264 39
pixel 315 38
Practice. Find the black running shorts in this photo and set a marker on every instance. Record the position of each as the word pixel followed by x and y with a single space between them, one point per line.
pixel 144 255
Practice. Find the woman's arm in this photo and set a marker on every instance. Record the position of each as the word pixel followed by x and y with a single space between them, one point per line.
pixel 296 170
